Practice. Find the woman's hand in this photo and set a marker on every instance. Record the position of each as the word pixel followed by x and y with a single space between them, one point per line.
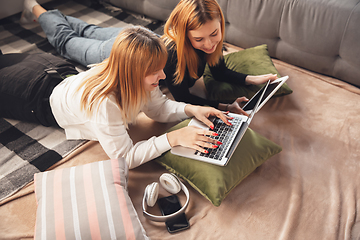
pixel 203 114
pixel 193 137
pixel 260 79
pixel 235 107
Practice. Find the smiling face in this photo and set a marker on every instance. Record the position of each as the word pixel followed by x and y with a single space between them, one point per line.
pixel 207 37
pixel 152 81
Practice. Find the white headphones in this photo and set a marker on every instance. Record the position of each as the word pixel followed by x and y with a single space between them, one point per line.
pixel 173 185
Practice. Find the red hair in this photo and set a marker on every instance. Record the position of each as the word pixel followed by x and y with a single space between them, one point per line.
pixel 191 15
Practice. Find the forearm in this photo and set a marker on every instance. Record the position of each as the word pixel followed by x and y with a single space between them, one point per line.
pixel 190 110
pixel 182 94
pixel 147 150
pixel 223 107
pixel 222 73
pixel 134 154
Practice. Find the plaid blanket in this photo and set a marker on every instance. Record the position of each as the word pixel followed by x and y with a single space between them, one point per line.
pixel 27 148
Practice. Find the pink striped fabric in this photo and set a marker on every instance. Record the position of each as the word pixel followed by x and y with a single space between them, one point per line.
pixel 86 202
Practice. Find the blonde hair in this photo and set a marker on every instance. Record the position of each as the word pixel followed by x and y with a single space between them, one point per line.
pixel 135 54
pixel 191 15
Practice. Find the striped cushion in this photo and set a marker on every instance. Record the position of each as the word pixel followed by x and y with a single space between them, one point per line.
pixel 86 202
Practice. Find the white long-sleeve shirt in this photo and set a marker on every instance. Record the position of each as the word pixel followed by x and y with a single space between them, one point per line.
pixel 107 127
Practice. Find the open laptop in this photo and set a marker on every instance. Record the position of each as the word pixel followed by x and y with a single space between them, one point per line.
pixel 270 91
pixel 230 136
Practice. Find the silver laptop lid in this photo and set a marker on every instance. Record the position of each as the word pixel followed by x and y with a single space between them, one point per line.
pixel 245 125
pixel 257 103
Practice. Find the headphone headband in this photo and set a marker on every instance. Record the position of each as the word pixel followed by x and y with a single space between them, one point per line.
pixel 167 217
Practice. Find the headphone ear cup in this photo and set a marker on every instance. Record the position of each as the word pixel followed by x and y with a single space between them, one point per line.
pixel 170 183
pixel 152 192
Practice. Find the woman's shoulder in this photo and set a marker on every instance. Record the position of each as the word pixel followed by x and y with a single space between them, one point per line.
pixel 108 111
pixel 172 58
pixel 171 48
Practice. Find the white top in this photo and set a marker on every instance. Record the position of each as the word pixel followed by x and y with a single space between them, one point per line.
pixel 107 125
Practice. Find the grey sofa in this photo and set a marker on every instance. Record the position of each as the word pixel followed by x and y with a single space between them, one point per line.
pixel 318 35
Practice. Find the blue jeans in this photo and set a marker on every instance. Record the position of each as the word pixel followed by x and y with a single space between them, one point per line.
pixel 77 40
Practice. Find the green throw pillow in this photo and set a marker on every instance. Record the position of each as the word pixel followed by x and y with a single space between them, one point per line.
pixel 215 182
pixel 251 61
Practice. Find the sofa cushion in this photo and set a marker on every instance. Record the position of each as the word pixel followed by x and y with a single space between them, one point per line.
pixel 215 182
pixel 157 9
pixel 87 201
pixel 251 61
pixel 299 33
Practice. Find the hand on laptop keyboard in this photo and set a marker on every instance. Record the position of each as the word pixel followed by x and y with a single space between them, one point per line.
pixel 196 137
pixel 225 136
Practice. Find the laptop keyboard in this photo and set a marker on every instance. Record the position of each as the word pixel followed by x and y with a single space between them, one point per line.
pixel 226 136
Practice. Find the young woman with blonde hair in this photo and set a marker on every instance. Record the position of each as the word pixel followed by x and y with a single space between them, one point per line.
pixel 100 103
pixel 193 34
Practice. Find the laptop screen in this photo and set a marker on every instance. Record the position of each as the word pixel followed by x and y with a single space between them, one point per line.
pixel 251 104
pixel 245 125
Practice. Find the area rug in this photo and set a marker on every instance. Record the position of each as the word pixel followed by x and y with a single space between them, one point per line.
pixel 27 148
pixel 30 38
